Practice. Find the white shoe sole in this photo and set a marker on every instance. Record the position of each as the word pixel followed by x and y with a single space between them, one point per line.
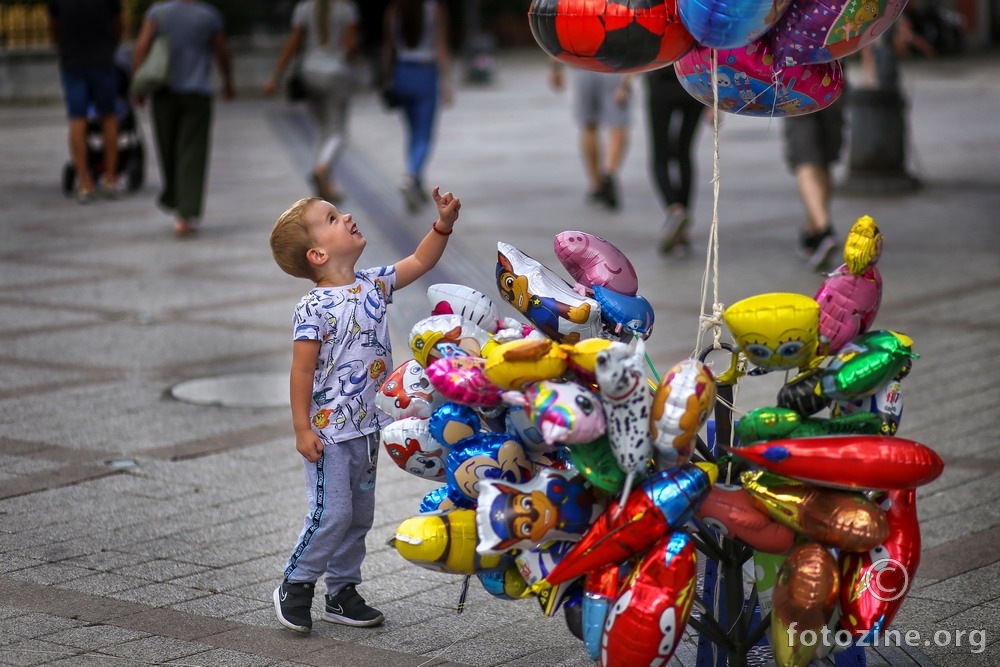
pixel 301 629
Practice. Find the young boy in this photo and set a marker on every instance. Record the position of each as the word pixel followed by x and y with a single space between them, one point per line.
pixel 340 357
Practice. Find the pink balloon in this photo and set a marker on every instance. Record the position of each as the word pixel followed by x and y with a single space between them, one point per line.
pixel 592 260
pixel 752 84
pixel 461 379
pixel 848 304
pixel 821 31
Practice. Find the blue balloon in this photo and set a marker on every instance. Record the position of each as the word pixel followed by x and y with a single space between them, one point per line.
pixel 620 311
pixel 729 24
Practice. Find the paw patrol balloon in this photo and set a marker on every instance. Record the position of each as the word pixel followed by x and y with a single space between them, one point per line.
pixel 540 295
pixel 407 392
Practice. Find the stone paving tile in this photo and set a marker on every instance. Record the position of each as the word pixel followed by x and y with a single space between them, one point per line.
pixel 35 652
pixel 94 637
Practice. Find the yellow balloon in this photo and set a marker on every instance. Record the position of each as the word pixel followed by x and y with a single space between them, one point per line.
pixel 863 245
pixel 776 331
pixel 518 363
pixel 443 542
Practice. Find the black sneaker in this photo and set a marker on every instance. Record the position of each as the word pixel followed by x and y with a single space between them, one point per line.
pixel 292 603
pixel 349 608
pixel 610 190
pixel 817 249
pixel 674 231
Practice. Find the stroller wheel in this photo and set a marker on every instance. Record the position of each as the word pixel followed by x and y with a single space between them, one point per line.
pixel 68 179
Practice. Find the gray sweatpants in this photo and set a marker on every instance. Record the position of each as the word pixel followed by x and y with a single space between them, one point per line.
pixel 341 491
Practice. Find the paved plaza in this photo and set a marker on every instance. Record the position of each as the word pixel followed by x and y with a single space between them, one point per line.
pixel 140 529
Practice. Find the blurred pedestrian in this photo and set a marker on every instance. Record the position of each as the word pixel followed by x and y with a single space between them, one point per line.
pixel 813 143
pixel 673 123
pixel 601 102
pixel 417 58
pixel 182 111
pixel 341 355
pixel 327 33
pixel 86 34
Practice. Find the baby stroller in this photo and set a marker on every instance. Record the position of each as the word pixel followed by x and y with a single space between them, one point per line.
pixel 131 152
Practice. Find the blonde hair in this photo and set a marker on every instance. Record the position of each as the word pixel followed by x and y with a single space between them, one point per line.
pixel 291 238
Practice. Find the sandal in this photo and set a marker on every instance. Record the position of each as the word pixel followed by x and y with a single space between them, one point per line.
pixel 323 190
pixel 184 228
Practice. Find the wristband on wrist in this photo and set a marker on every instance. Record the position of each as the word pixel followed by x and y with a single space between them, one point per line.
pixel 435 228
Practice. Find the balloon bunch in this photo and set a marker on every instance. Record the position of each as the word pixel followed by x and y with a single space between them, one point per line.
pixel 568 476
pixel 764 57
pixel 834 497
pixel 564 473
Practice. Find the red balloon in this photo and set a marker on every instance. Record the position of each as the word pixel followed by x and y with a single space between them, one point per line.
pixel 610 36
pixel 875 583
pixel 849 461
pixel 647 621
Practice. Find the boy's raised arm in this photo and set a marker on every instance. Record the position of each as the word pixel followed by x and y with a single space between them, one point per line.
pixel 430 249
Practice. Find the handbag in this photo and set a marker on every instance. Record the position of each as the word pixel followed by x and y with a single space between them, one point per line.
pixel 154 72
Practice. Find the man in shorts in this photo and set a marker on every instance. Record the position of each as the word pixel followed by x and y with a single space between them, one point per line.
pixel 812 145
pixel 86 33
pixel 600 100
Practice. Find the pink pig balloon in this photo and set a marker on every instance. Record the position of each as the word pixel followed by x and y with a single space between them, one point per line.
pixel 848 304
pixel 751 83
pixel 821 31
pixel 592 260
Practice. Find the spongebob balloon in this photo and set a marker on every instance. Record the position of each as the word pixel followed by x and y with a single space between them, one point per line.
pixel 776 331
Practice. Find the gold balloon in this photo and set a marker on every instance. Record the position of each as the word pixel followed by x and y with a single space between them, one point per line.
pixel 805 597
pixel 834 518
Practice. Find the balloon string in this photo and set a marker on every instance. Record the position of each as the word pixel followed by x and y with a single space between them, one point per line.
pixel 714 321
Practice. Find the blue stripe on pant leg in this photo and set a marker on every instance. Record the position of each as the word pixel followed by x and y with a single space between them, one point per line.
pixel 317 516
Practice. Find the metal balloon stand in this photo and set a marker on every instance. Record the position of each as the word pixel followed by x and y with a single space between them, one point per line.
pixel 731 629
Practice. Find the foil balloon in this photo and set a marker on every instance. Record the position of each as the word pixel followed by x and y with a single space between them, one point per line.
pixel 473 305
pixel 886 403
pixel 647 620
pixel 865 364
pixel 728 24
pixel 750 82
pixel 463 379
pixel 518 422
pixel 849 461
pixel 848 303
pixel 805 597
pixel 519 363
pixel 554 505
pixel 626 400
pixel 819 31
pixel 535 564
pixel 875 583
pixel 662 503
pixel 863 245
pixel 776 331
pixel 504 584
pixel 600 588
pixel 631 314
pixel 800 394
pixel 444 542
pixel 767 424
pixel 413 449
pixel 427 334
pixel 621 36
pixel 452 423
pixel 728 510
pixel 442 499
pixel 597 462
pixel 564 412
pixel 486 457
pixel 547 300
pixel 581 358
pixel 407 392
pixel 834 518
pixel 683 401
pixel 593 261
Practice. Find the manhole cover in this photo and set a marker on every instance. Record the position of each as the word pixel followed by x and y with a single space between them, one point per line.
pixel 242 390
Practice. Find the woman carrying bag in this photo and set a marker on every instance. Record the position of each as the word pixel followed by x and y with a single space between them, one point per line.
pixel 326 34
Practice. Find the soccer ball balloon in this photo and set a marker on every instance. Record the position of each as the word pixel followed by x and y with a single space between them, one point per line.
pixel 610 35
